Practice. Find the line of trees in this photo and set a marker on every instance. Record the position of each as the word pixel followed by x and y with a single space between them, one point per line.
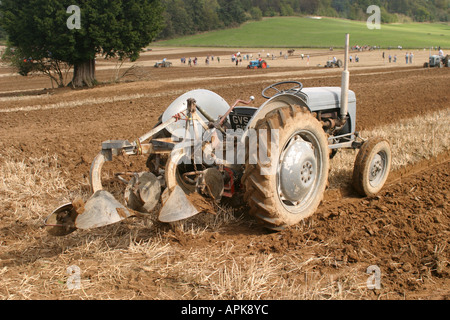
pixel 184 17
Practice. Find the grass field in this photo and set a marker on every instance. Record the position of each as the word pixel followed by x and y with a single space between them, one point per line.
pixel 306 32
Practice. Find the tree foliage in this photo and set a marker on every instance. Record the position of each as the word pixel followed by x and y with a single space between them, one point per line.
pixel 2 34
pixel 110 28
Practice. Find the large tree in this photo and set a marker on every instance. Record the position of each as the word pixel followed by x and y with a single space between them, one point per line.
pixel 109 28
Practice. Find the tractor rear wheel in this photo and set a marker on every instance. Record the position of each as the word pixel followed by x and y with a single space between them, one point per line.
pixel 293 187
pixel 446 61
pixel 372 166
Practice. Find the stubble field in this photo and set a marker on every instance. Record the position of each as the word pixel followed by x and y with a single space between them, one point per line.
pixel 48 138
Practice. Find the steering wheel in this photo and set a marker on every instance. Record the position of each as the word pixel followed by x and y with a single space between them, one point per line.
pixel 296 88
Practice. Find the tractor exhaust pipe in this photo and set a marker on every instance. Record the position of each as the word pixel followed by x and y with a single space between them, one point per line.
pixel 345 81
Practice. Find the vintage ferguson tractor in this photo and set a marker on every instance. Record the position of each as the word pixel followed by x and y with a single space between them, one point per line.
pixel 276 157
pixel 334 64
pixel 163 64
pixel 437 61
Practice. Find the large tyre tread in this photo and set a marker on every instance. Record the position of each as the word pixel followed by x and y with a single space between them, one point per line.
pixel 260 190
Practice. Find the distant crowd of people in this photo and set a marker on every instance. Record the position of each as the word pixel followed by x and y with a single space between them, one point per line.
pixel 238 57
pixel 408 57
pixel 194 61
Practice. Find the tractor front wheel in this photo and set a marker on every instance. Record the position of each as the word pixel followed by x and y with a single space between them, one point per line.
pixel 372 166
pixel 289 186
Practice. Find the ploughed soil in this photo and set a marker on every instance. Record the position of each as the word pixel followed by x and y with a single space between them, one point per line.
pixel 404 230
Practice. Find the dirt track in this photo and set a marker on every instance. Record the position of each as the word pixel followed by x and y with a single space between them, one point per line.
pixel 404 230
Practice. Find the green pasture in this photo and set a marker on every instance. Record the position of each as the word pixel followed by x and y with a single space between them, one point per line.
pixel 298 32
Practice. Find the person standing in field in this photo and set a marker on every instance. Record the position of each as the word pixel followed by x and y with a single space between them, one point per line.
pixel 407 58
pixel 411 57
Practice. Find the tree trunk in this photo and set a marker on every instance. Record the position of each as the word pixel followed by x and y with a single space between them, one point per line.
pixel 84 74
